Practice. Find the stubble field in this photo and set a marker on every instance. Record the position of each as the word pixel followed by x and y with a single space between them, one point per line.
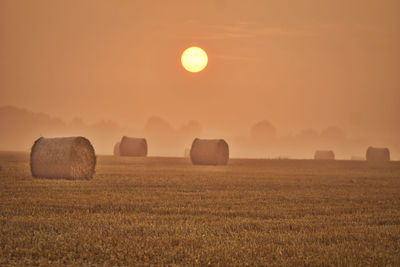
pixel 164 211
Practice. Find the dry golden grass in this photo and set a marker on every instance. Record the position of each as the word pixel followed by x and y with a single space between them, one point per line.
pixel 138 211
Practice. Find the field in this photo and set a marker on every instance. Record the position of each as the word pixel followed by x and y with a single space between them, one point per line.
pixel 164 211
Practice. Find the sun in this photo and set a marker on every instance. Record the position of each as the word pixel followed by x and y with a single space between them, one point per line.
pixel 194 59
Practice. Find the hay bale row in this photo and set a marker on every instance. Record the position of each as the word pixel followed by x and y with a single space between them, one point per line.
pixel 209 152
pixel 64 157
pixel 74 157
pixel 216 151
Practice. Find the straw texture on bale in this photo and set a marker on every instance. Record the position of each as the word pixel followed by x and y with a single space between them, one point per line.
pixel 116 149
pixel 209 152
pixel 63 157
pixel 324 155
pixel 378 154
pixel 133 147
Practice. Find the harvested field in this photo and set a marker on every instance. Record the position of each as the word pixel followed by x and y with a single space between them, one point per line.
pixel 138 211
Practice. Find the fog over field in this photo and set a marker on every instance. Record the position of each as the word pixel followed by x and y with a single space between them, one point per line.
pixel 317 75
pixel 262 139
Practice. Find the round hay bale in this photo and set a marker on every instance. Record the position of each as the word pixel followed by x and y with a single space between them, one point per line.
pixel 324 155
pixel 378 154
pixel 63 157
pixel 209 152
pixel 116 149
pixel 133 147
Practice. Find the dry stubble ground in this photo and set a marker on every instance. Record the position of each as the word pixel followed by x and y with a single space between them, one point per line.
pixel 166 211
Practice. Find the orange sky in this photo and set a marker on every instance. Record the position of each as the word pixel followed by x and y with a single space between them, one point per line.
pixel 298 64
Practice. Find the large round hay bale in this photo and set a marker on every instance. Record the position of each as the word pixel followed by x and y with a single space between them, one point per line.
pixel 63 157
pixel 133 147
pixel 324 155
pixel 378 154
pixel 209 152
pixel 116 149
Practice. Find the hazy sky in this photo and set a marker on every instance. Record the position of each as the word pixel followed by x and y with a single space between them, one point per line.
pixel 298 64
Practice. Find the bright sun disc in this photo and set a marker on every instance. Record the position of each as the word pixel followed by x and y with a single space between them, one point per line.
pixel 194 59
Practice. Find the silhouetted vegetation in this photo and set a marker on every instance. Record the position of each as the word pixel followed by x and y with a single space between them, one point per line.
pixel 262 140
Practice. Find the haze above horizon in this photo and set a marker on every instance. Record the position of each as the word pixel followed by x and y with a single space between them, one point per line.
pixel 298 65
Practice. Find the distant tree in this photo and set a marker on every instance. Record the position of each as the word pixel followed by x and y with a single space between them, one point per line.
pixel 263 130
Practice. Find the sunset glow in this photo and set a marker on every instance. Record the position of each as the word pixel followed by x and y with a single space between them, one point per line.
pixel 193 133
pixel 194 59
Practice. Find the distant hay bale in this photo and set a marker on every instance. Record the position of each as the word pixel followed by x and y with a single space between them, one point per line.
pixel 324 155
pixel 186 153
pixel 377 154
pixel 63 157
pixel 116 149
pixel 209 152
pixel 133 147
